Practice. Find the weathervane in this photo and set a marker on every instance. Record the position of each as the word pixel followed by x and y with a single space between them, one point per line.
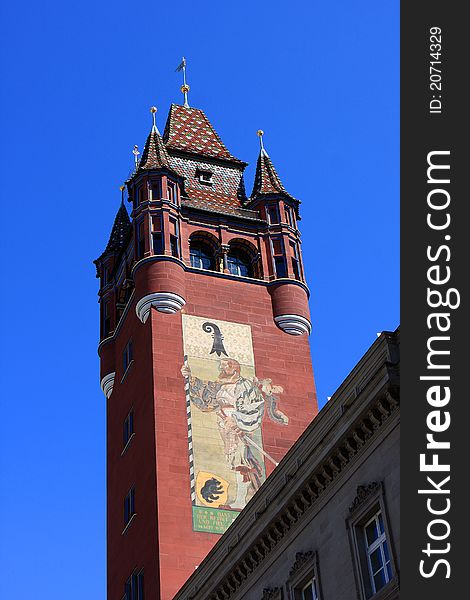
pixel 185 87
pixel 136 153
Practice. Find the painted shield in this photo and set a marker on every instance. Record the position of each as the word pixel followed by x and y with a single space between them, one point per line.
pixel 211 489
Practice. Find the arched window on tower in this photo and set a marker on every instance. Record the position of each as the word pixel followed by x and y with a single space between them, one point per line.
pixel 239 263
pixel 242 259
pixel 201 255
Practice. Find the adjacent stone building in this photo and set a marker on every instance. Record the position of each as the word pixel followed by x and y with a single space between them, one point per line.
pixel 325 525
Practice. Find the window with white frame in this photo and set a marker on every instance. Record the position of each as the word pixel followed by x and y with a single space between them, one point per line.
pixel 372 542
pixel 378 555
pixel 205 177
pixel 303 583
pixel 309 591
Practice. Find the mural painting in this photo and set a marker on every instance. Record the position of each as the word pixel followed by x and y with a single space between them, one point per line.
pixel 226 404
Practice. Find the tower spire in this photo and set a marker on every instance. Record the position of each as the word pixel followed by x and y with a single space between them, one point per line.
pixel 185 87
pixel 154 155
pixel 267 181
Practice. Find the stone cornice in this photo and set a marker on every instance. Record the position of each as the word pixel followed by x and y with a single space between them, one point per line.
pixel 319 459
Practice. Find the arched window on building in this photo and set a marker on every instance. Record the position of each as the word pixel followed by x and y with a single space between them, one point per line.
pixel 243 259
pixel 201 255
pixel 239 263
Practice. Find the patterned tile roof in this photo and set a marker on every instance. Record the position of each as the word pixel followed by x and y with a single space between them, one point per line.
pixel 267 181
pixel 154 155
pixel 219 205
pixel 119 232
pixel 188 129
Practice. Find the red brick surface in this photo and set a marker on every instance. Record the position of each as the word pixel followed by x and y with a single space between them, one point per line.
pixel 160 539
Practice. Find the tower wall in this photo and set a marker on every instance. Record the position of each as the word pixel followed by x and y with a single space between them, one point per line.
pixel 283 358
pixel 212 366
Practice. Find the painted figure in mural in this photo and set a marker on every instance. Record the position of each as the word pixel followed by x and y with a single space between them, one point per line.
pixel 239 404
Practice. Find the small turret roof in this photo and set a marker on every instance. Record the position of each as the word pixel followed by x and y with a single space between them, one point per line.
pixel 267 181
pixel 119 232
pixel 154 155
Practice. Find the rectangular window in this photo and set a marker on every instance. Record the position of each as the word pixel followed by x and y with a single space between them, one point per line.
pixel 289 216
pixel 279 258
pixel 128 428
pixel 205 177
pixel 140 239
pixel 280 264
pixel 156 194
pixel 174 238
pixel 304 583
pixel 129 506
pixel 171 192
pixel 273 215
pixel 378 556
pixel 105 276
pixel 106 318
pixel 127 356
pixel 371 542
pixel 134 587
pixel 295 260
pixel 308 591
pixel 157 234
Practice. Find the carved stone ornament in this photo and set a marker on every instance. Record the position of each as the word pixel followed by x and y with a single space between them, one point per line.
pixel 271 594
pixel 301 558
pixel 363 492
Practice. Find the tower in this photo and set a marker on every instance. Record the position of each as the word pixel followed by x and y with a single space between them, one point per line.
pixel 205 361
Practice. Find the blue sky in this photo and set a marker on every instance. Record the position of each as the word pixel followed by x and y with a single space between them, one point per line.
pixel 320 78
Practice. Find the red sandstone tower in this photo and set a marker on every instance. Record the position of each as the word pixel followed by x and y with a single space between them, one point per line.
pixel 205 361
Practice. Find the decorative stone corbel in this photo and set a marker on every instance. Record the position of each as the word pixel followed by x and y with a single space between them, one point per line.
pixel 165 302
pixel 107 384
pixel 293 324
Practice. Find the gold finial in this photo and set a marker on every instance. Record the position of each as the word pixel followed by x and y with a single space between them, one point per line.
pixel 260 134
pixel 153 110
pixel 122 187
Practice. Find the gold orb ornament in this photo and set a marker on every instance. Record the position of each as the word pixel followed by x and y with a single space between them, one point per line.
pixel 260 133
pixel 185 88
pixel 122 187
pixel 153 109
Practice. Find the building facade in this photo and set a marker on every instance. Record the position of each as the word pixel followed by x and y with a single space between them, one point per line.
pixel 325 526
pixel 204 354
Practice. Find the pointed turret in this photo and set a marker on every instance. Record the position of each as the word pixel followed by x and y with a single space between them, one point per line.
pixel 120 231
pixel 154 155
pixel 267 181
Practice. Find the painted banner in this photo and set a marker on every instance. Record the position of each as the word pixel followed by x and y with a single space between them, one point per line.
pixel 225 408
